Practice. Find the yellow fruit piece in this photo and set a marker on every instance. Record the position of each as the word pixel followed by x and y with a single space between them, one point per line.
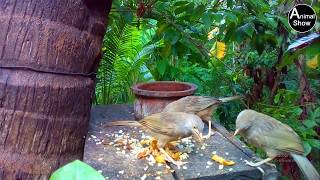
pixel 176 155
pixel 221 160
pixel 153 144
pixel 160 159
pixel 144 142
pixel 313 63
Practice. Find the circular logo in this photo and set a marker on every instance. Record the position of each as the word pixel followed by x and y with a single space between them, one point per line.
pixel 302 18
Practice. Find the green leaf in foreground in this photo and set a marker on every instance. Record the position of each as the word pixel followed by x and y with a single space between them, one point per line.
pixel 76 170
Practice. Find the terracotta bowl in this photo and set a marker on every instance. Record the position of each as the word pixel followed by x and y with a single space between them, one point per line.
pixel 152 97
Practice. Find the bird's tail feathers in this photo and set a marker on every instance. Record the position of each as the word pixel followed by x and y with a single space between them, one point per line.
pixel 308 170
pixel 227 99
pixel 123 123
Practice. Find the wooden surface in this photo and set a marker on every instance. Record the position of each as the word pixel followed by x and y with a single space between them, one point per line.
pixel 103 157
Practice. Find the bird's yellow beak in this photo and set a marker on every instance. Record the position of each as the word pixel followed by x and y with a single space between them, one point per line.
pixel 197 135
pixel 235 132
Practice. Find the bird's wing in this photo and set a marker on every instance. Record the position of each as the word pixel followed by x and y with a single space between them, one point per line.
pixel 268 132
pixel 169 124
pixel 197 103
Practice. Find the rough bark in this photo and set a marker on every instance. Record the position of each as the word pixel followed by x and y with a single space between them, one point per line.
pixel 44 115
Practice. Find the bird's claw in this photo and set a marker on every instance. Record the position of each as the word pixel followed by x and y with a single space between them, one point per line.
pixel 272 165
pixel 179 163
pixel 208 135
pixel 250 163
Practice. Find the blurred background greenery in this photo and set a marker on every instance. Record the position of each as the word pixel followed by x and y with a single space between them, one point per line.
pixel 226 48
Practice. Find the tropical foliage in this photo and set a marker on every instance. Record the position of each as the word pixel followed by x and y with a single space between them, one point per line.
pixel 225 47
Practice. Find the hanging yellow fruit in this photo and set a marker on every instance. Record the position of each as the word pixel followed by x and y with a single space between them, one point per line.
pixel 212 33
pixel 313 63
pixel 218 50
pixel 221 50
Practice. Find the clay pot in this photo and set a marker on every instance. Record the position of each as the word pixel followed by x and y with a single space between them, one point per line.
pixel 152 97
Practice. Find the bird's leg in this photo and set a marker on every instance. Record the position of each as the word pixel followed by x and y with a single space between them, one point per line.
pixel 261 170
pixel 178 163
pixel 270 164
pixel 259 163
pixel 209 133
pixel 210 130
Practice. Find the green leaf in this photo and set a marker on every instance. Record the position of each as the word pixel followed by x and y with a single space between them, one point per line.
pixel 217 17
pixel 229 3
pixel 295 111
pixel 316 115
pixel 162 27
pixel 284 21
pixel 312 51
pixel 277 98
pixel 172 36
pixel 247 28
pixel 207 19
pixel 288 59
pixel 258 6
pixel 166 50
pixel 307 148
pixel 270 38
pixel 162 6
pixel 181 49
pixel 179 3
pixel 180 10
pixel 309 123
pixel 190 8
pixel 162 66
pixel 76 170
pixel 259 43
pixel 231 17
pixel 268 22
pixel 271 22
pixel 230 32
pixel 127 15
pixel 198 12
pixel 314 143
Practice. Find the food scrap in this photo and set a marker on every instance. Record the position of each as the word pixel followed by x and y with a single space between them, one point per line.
pixel 160 159
pixel 142 154
pixel 222 161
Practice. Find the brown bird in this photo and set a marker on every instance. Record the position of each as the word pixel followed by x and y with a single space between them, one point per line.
pixel 202 106
pixel 275 138
pixel 167 127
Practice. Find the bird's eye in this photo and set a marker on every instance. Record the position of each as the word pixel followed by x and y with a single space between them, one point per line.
pixel 194 127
